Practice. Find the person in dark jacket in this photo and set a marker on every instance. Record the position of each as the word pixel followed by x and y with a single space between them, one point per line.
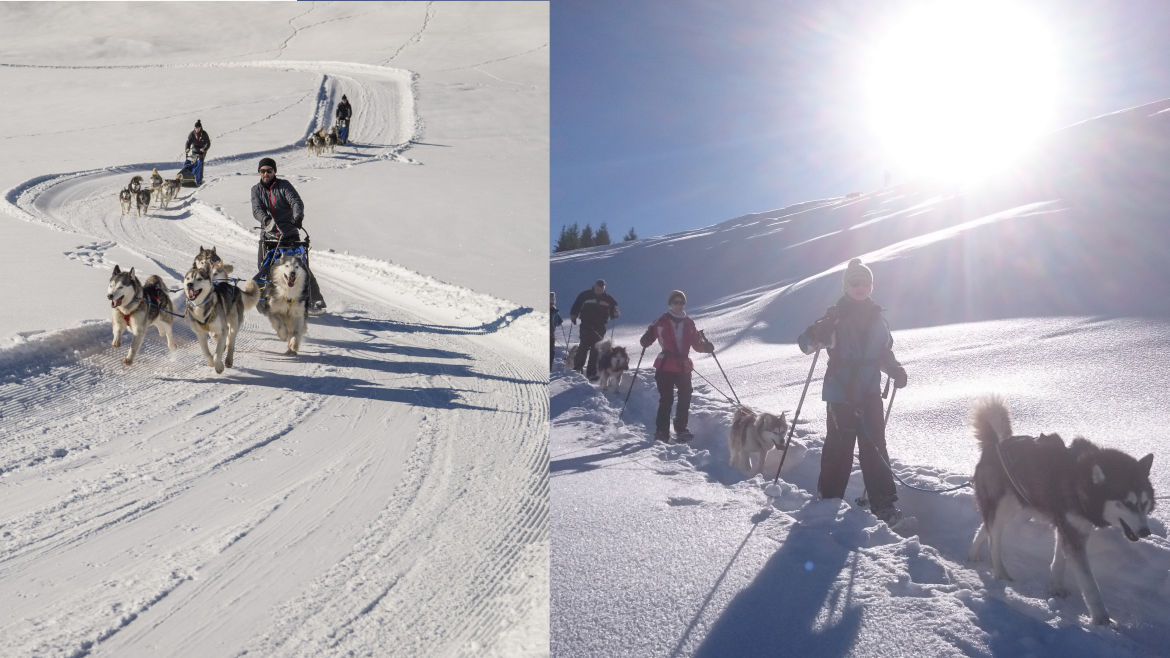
pixel 556 322
pixel 278 208
pixel 676 334
pixel 595 308
pixel 198 142
pixel 344 113
pixel 860 349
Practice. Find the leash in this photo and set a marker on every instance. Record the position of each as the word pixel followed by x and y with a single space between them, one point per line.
pixel 721 370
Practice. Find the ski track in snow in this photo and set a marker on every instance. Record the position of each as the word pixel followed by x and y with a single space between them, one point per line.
pixel 410 446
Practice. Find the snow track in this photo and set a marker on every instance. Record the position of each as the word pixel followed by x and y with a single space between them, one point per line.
pixel 385 491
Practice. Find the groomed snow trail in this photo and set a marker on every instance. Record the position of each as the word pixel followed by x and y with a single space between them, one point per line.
pixel 383 492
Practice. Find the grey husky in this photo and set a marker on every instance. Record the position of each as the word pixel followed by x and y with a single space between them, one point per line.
pixel 288 297
pixel 1076 488
pixel 137 306
pixel 217 309
pixel 220 271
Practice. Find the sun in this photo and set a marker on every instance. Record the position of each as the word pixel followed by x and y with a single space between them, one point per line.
pixel 959 89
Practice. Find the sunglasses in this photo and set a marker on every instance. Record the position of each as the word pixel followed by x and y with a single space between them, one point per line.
pixel 677 302
pixel 859 283
pixel 268 170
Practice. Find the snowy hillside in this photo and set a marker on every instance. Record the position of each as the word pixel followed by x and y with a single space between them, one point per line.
pixel 382 493
pixel 1046 285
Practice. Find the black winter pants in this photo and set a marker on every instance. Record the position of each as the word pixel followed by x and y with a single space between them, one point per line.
pixel 590 336
pixel 667 382
pixel 862 424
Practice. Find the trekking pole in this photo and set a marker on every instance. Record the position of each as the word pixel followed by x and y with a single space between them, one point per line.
pixel 724 373
pixel 792 426
pixel 632 382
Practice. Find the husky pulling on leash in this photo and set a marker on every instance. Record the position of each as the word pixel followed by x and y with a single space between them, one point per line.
pixel 143 197
pixel 220 271
pixel 287 294
pixel 156 184
pixel 135 184
pixel 217 309
pixel 753 435
pixel 137 306
pixel 126 199
pixel 170 190
pixel 1076 488
pixel 611 363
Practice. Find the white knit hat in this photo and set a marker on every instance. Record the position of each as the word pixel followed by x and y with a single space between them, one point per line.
pixel 856 270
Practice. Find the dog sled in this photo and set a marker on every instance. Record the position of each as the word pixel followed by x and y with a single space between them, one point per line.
pixel 272 248
pixel 343 131
pixel 192 172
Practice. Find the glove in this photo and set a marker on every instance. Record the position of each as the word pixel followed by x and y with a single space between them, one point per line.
pixel 821 331
pixel 708 347
pixel 899 375
pixel 616 313
pixel 573 319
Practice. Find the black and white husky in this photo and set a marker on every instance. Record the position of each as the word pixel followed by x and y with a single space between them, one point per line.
pixel 217 309
pixel 752 436
pixel 143 199
pixel 126 199
pixel 170 190
pixel 136 306
pixel 220 271
pixel 612 361
pixel 1076 488
pixel 287 294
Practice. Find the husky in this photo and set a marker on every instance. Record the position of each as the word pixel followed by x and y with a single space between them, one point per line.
pixel 315 142
pixel 156 184
pixel 220 271
pixel 331 139
pixel 287 295
pixel 136 307
pixel 143 197
pixel 170 190
pixel 217 309
pixel 1076 488
pixel 126 198
pixel 612 361
pixel 753 435
pixel 135 184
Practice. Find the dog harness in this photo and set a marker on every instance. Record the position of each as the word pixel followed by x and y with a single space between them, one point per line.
pixel 206 323
pixel 126 316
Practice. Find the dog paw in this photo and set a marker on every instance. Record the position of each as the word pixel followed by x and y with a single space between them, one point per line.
pixel 218 368
pixel 127 362
pixel 227 362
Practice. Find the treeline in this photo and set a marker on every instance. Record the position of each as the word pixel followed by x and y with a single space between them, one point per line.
pixel 573 237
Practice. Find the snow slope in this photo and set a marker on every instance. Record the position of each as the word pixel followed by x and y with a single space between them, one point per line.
pixel 382 493
pixel 1045 285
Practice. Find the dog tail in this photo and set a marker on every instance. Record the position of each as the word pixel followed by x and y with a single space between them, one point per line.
pixel 251 293
pixel 990 419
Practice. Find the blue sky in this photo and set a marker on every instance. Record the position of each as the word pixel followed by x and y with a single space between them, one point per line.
pixel 670 115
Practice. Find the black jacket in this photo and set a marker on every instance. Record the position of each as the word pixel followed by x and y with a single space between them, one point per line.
pixel 281 203
pixel 594 310
pixel 201 142
pixel 344 110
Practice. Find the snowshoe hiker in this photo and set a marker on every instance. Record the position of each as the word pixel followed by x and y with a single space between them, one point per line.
pixel 595 308
pixel 860 348
pixel 278 208
pixel 676 334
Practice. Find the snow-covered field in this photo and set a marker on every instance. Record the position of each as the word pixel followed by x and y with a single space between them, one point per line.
pixel 1046 285
pixel 385 492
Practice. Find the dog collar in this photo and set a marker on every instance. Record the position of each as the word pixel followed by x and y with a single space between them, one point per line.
pixel 125 315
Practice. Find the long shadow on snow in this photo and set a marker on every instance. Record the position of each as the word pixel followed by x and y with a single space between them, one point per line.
pixel 360 322
pixel 408 367
pixel 380 346
pixel 779 610
pixel 587 463
pixel 437 398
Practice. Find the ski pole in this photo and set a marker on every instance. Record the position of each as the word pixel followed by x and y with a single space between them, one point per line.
pixel 634 379
pixel 724 373
pixel 792 425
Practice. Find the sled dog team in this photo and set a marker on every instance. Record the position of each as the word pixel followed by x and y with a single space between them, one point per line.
pixel 215 306
pixel 136 197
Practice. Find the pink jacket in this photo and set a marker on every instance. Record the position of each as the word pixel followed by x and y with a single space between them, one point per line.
pixel 676 336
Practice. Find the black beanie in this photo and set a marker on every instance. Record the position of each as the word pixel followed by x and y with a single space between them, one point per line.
pixel 198 123
pixel 267 162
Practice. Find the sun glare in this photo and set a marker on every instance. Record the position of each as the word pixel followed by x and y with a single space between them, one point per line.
pixel 957 89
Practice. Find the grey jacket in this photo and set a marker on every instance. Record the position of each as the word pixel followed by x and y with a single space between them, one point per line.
pixel 861 349
pixel 280 203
